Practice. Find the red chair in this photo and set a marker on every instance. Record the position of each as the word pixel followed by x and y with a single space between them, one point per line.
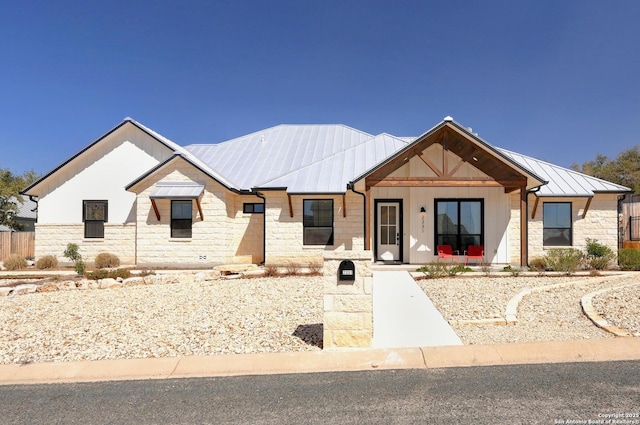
pixel 445 251
pixel 474 252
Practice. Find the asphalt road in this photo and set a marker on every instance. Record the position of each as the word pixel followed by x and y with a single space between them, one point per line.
pixel 530 394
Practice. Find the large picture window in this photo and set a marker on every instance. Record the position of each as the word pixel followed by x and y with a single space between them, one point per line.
pixel 556 219
pixel 94 215
pixel 318 222
pixel 181 219
pixel 459 223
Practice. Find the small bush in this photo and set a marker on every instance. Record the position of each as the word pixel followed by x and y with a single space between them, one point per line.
pixel 105 260
pixel 315 268
pixel 599 256
pixel 433 270
pixel 15 262
pixel 113 274
pixel 292 269
pixel 47 262
pixel 565 260
pixel 79 266
pixel 72 253
pixel 537 264
pixel 454 269
pixel 629 259
pixel 271 271
pixel 486 269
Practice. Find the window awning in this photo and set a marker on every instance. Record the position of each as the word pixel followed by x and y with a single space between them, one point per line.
pixel 177 190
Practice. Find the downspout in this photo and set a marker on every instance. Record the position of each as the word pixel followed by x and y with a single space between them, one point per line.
pixel 264 227
pixel 526 222
pixel 351 186
pixel 35 201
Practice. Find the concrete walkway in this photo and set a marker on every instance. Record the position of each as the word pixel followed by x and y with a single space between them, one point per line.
pixel 403 315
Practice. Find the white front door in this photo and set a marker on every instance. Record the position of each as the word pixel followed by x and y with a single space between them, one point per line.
pixel 388 229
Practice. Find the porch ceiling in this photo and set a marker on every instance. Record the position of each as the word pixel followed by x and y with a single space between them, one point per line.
pixel 500 172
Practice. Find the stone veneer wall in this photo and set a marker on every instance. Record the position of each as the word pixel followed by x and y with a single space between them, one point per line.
pixel 119 239
pixel 601 223
pixel 348 305
pixel 284 234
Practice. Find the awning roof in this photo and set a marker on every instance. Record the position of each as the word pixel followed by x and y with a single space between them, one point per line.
pixel 177 190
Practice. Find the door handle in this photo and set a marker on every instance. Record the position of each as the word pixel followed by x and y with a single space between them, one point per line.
pixel 397 238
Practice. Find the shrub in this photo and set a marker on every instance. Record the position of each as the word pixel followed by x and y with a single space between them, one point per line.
pixel 433 270
pixel 515 271
pixel 629 259
pixel 454 269
pixel 113 274
pixel 566 260
pixel 293 269
pixel 271 271
pixel 47 262
pixel 73 254
pixel 105 260
pixel 599 256
pixel 15 262
pixel 315 268
pixel 537 264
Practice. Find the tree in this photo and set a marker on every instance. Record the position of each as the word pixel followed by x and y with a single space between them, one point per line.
pixel 10 198
pixel 624 170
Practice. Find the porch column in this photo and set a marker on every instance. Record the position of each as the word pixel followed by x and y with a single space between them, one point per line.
pixel 524 237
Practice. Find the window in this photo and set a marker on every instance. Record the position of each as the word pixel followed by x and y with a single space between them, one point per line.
pixel 556 219
pixel 459 223
pixel 318 222
pixel 250 208
pixel 94 215
pixel 181 219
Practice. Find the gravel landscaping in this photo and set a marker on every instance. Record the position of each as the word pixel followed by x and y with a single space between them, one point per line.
pixel 281 314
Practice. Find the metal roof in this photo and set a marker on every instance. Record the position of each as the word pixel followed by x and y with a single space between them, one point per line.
pixel 261 157
pixel 562 181
pixel 177 190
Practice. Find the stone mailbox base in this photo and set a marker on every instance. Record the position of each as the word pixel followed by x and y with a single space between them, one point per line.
pixel 348 304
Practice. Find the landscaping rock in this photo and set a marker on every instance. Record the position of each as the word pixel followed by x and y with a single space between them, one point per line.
pixel 28 288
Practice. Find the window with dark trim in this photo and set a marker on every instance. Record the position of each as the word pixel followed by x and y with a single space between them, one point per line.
pixel 253 208
pixel 317 222
pixel 94 215
pixel 556 223
pixel 181 219
pixel 459 223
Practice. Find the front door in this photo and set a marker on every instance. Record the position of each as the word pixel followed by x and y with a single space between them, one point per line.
pixel 388 233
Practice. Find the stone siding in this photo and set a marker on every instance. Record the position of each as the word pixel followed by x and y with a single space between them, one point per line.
pixel 348 305
pixel 284 234
pixel 119 239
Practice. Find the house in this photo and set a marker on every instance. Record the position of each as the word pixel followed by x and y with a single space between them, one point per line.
pixel 25 215
pixel 291 192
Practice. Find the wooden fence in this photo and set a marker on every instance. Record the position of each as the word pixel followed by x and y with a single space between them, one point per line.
pixel 21 243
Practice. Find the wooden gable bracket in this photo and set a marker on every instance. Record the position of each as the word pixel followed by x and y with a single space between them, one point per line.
pixel 155 208
pixel 199 209
pixel 344 204
pixel 535 207
pixel 586 207
pixel 290 206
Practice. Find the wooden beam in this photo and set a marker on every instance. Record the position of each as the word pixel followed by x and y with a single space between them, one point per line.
pixel 431 165
pixel 344 205
pixel 456 168
pixel 155 209
pixel 290 206
pixel 535 208
pixel 524 237
pixel 586 207
pixel 199 209
pixel 433 182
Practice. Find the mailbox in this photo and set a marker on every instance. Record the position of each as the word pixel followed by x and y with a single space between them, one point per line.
pixel 347 270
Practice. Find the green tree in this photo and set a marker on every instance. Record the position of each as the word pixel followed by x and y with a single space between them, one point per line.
pixel 624 170
pixel 10 198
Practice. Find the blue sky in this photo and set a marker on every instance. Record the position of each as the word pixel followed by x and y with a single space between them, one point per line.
pixel 556 80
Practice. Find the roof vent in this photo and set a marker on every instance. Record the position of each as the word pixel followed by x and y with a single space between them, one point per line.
pixel 262 138
pixel 448 118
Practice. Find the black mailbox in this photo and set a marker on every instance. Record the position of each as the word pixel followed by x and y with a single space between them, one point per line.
pixel 347 270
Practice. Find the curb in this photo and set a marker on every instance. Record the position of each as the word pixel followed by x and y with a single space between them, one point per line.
pixel 596 318
pixel 348 360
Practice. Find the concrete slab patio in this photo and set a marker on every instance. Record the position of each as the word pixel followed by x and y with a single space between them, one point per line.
pixel 403 315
